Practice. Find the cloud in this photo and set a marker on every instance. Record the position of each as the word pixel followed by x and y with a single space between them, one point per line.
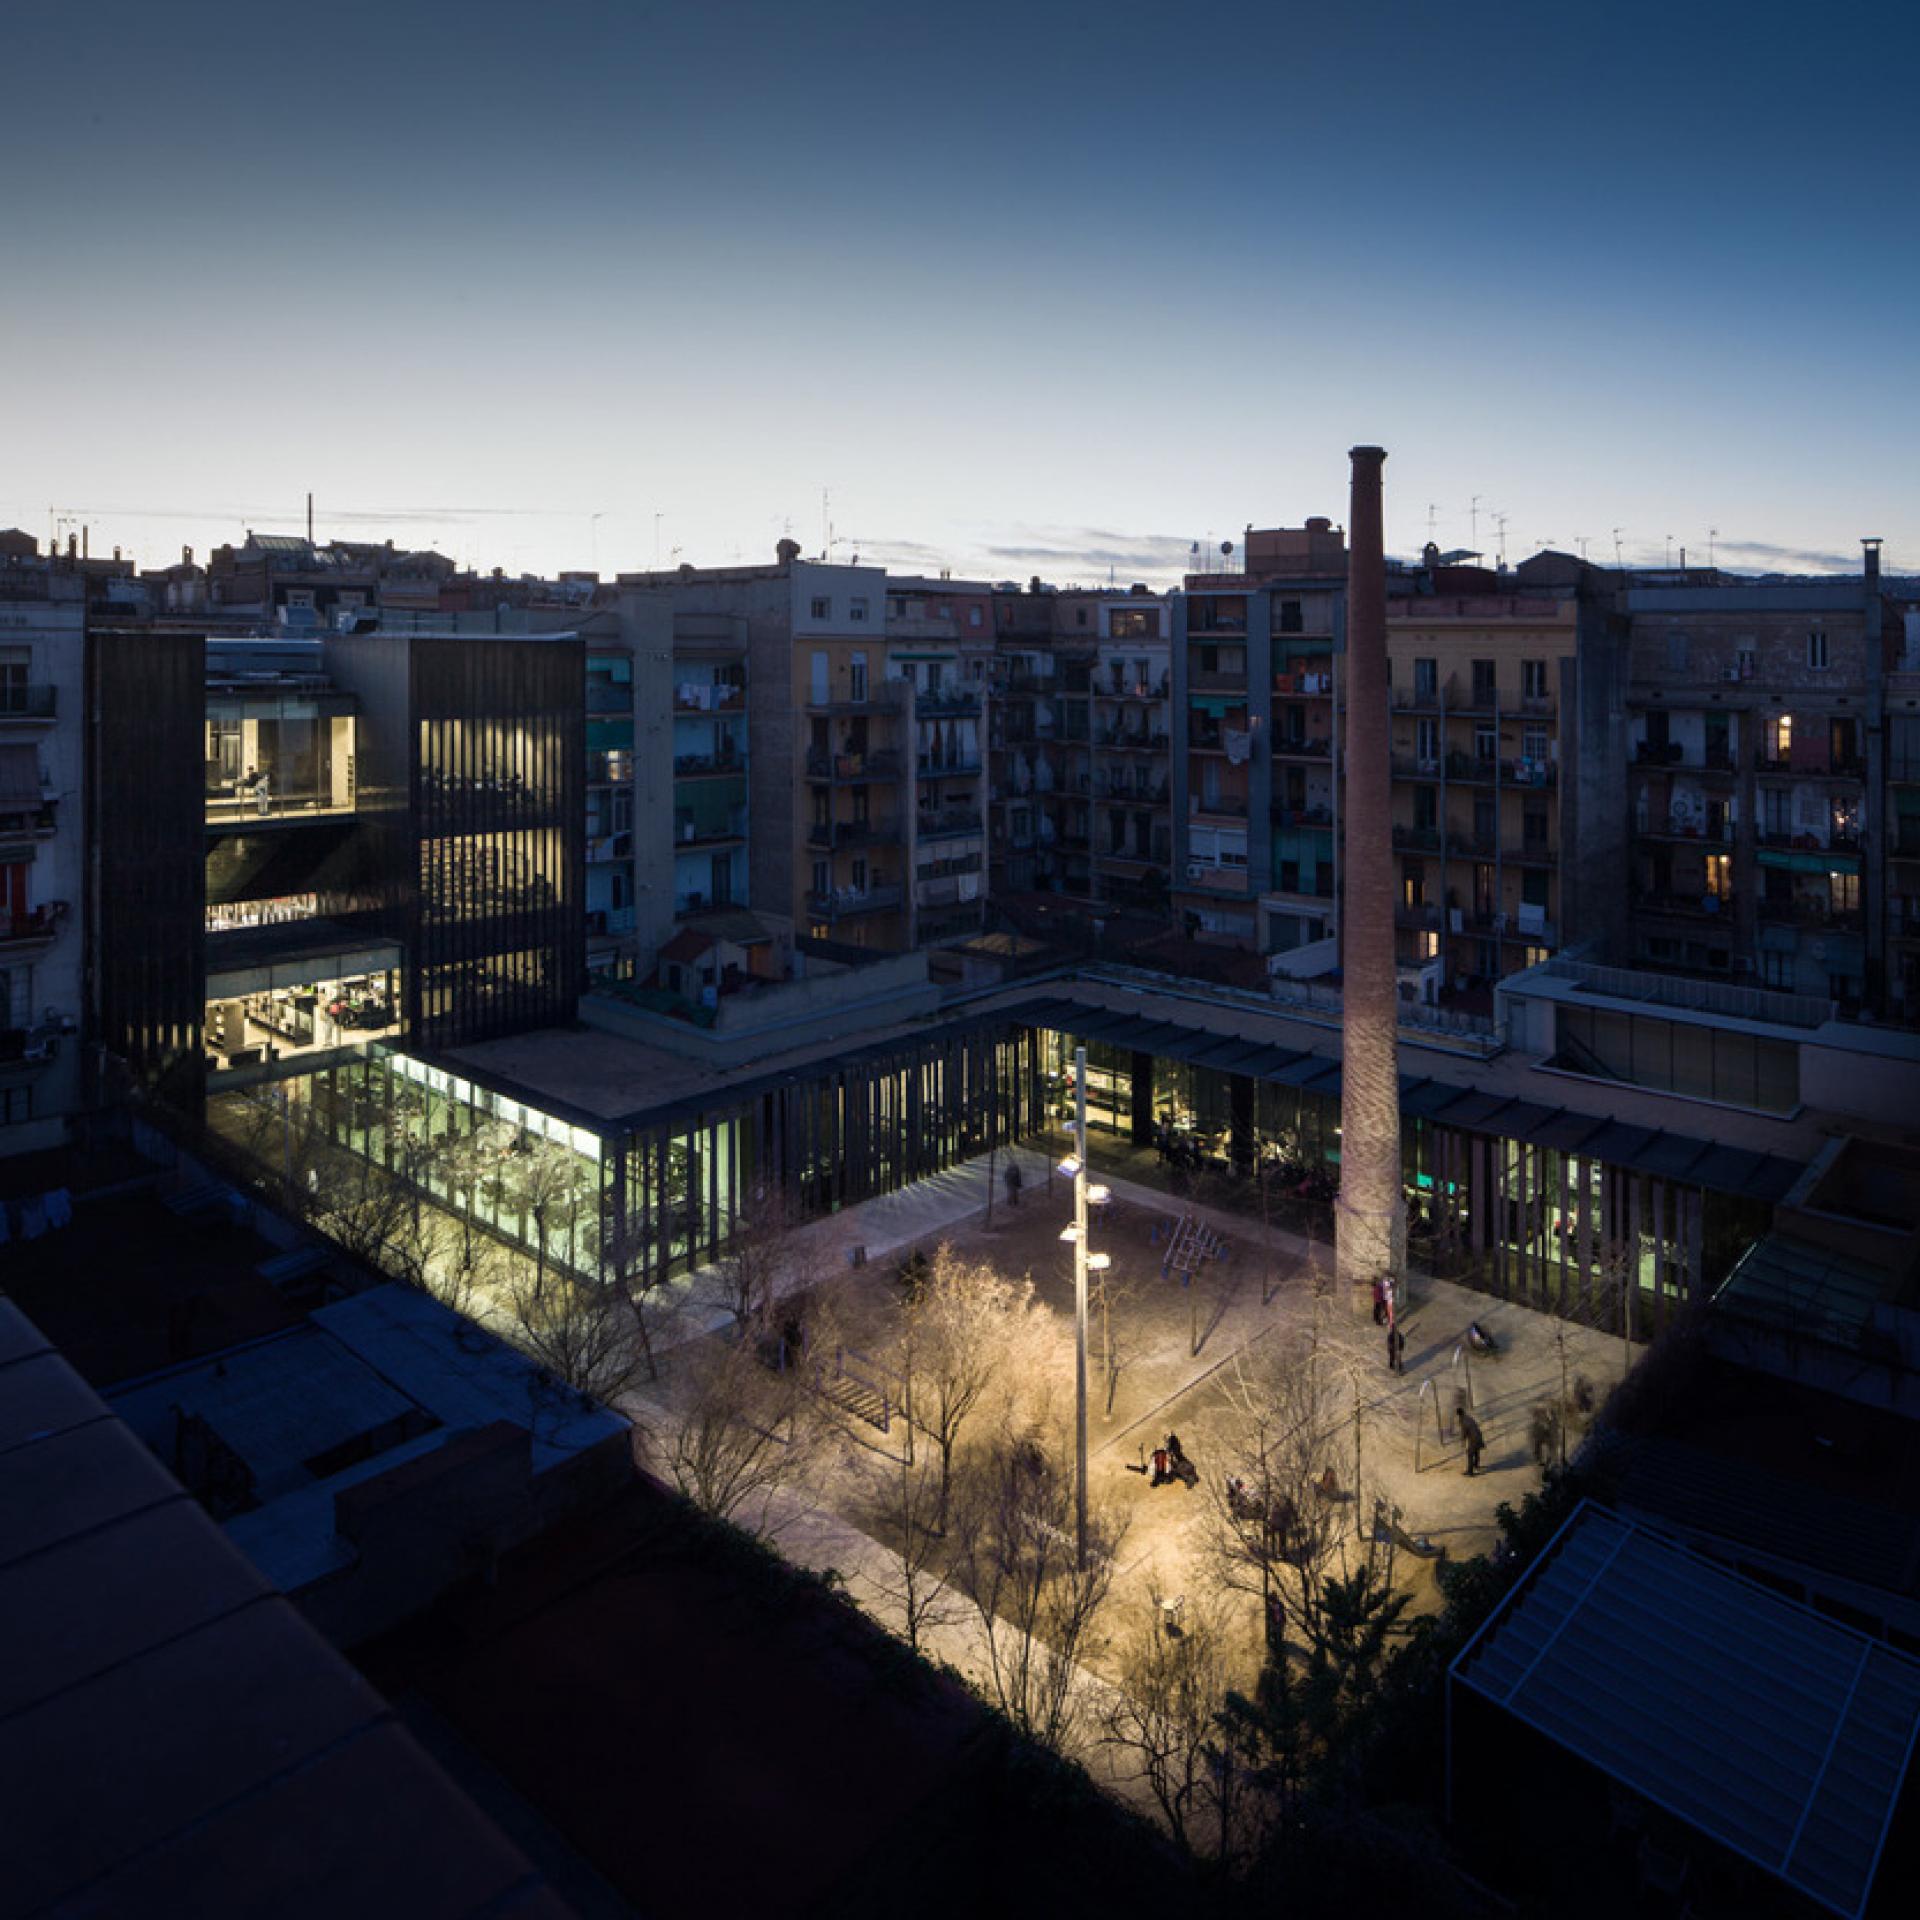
pixel 1093 550
pixel 1773 559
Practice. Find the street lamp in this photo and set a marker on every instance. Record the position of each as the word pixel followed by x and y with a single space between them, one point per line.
pixel 1075 1169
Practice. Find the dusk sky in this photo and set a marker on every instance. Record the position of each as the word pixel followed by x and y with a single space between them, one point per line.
pixel 1027 288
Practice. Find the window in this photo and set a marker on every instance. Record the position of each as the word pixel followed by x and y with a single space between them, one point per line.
pixel 1484 680
pixel 1533 745
pixel 1426 677
pixel 1426 737
pixel 1413 883
pixel 18 1105
pixel 1134 623
pixel 15 666
pixel 1776 970
pixel 1486 742
pixel 1533 679
pixel 1817 648
pixel 1428 943
pixel 822 607
pixel 857 677
pixel 1844 889
pixel 857 607
pixel 1719 871
pixel 1079 616
pixel 973 616
pixel 1426 808
pixel 1291 619
pixel 1780 737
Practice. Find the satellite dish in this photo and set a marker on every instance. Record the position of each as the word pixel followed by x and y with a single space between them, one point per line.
pixel 1226 546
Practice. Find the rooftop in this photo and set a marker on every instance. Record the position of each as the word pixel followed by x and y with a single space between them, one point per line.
pixel 174 1737
pixel 1779 1733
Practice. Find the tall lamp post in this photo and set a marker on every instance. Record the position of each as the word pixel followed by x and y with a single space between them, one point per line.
pixel 1075 1168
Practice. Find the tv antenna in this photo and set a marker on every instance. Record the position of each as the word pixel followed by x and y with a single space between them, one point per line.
pixel 1500 536
pixel 1580 541
pixel 1617 560
pixel 1473 521
pixel 1713 534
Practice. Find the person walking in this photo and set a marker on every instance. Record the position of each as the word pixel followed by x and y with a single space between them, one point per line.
pixel 1396 1350
pixel 1475 1439
pixel 1013 1183
pixel 1379 1302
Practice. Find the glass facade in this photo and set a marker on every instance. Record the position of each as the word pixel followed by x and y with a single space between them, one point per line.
pixel 280 755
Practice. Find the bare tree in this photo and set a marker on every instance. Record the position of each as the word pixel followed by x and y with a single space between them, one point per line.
pixel 1280 1516
pixel 902 1513
pixel 545 1185
pixel 1039 1608
pixel 763 1258
pixel 630 1270
pixel 737 1436
pixel 579 1330
pixel 966 1334
pixel 1164 1716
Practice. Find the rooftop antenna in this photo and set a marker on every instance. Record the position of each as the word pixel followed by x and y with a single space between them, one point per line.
pixel 1713 534
pixel 826 528
pixel 1617 560
pixel 1668 562
pixel 1474 523
pixel 309 519
pixel 1500 537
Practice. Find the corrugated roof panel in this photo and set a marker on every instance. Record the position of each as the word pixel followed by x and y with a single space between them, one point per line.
pixel 1775 1731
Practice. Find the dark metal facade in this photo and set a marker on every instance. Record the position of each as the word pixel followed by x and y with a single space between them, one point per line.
pixel 146 916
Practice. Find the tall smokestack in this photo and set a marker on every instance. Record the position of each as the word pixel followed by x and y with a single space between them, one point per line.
pixel 1371 1234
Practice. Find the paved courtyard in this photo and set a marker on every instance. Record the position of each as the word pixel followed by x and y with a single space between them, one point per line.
pixel 1183 1352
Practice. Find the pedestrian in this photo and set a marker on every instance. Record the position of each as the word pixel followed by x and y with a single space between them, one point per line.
pixel 1379 1302
pixel 1013 1183
pixel 1396 1348
pixel 1162 1468
pixel 1475 1439
pixel 1175 1451
pixel 1387 1296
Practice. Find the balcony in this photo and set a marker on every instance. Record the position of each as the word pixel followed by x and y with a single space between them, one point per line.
pixel 1303 685
pixel 34 928
pixel 1531 853
pixel 708 833
pixel 707 766
pixel 847 903
pixel 884 765
pixel 1471 846
pixel 1218 681
pixel 19 701
pixel 1808 910
pixel 1301 816
pixel 1691 906
pixel 1543 933
pixel 1471 767
pixel 826 834
pixel 1418 918
pixel 1690 833
pixel 605 847
pixel 937 702
pixel 1136 689
pixel 1414 699
pixel 1416 839
pixel 947 823
pixel 1824 767
pixel 1408 766
pixel 1472 695
pixel 1131 742
pixel 1302 749
pixel 1530 773
pixel 1220 806
pixel 712 700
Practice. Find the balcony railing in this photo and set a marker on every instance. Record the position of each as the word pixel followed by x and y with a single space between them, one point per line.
pixel 948 769
pixel 1412 766
pixel 36 924
pixel 1471 846
pixel 718 698
pixel 945 700
pixel 692 766
pixel 26 702
pixel 1693 905
pixel 1302 816
pixel 853 833
pixel 1302 749
pixel 1471 766
pixel 1136 689
pixel 1825 767
pixel 1421 919
pixel 948 822
pixel 844 903
pixel 883 765
pixel 703 833
pixel 1694 832
pixel 1225 806
pixel 1417 839
pixel 1806 911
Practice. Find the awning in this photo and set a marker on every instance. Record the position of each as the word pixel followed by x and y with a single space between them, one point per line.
pixel 1794 860
pixel 20 779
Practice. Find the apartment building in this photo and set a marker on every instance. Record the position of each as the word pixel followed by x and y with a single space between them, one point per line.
pixel 1083 743
pixel 1760 783
pixel 1508 775
pixel 42 843
pixel 1256 722
pixel 1902 824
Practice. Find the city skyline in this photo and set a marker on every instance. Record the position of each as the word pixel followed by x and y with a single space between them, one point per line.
pixel 1045 293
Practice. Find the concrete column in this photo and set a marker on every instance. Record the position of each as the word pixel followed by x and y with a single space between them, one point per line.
pixel 1371 1221
pixel 1140 1089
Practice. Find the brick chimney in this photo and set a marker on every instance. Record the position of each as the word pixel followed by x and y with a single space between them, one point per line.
pixel 1371 1221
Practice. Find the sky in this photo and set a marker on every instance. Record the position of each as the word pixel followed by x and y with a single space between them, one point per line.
pixel 1010 289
